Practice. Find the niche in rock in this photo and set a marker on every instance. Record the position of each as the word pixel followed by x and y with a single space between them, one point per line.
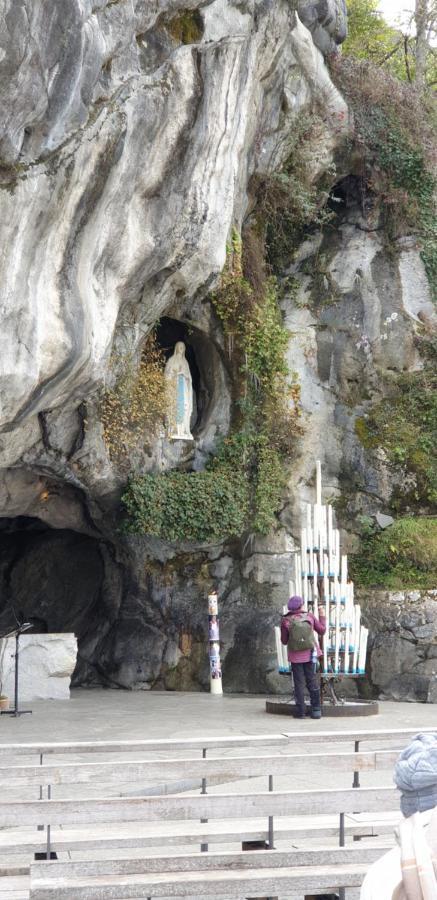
pixel 54 579
pixel 349 193
pixel 206 369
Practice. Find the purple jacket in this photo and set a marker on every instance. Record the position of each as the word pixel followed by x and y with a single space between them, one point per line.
pixel 301 656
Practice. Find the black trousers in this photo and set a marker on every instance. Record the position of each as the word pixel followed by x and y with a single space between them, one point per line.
pixel 303 673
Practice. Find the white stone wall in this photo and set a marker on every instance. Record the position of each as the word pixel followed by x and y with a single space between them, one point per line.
pixel 47 662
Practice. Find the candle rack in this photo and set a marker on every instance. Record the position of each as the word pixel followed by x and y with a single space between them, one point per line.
pixel 321 579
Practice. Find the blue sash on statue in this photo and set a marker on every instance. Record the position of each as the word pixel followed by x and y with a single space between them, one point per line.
pixel 180 400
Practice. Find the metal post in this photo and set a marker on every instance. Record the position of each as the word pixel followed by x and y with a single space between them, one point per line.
pixel 40 827
pixel 48 851
pixel 204 847
pixel 16 711
pixel 356 781
pixel 342 890
pixel 17 650
pixel 271 839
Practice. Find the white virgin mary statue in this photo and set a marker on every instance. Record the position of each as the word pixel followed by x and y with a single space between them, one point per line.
pixel 178 377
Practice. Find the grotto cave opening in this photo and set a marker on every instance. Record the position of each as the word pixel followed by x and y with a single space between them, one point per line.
pixel 54 579
pixel 202 358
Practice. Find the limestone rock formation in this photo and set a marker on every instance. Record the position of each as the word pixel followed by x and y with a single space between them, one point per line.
pixel 355 317
pixel 403 655
pixel 130 134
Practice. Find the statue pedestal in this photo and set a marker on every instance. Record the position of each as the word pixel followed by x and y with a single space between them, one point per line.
pixel 47 662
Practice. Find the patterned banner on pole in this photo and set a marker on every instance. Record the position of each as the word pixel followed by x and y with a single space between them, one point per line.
pixel 215 669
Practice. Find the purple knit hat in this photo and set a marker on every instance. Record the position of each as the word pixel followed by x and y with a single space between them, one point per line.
pixel 295 603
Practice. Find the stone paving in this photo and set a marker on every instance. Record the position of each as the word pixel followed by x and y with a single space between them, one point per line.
pixel 124 715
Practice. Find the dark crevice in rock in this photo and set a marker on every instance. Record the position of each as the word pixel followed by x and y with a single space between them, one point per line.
pixel 80 436
pixel 44 432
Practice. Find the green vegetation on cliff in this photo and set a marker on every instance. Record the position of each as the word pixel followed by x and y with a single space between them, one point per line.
pixel 404 425
pixel 289 202
pixel 401 557
pixel 393 152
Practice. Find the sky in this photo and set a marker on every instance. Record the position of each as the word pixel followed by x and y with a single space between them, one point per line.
pixel 393 9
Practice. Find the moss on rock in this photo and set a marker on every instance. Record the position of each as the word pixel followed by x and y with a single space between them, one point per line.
pixel 404 425
pixel 404 556
pixel 186 27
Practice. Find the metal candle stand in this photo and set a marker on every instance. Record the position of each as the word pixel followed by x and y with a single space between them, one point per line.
pixel 16 711
pixel 321 579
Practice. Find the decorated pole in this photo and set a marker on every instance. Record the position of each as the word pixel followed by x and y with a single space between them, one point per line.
pixel 215 669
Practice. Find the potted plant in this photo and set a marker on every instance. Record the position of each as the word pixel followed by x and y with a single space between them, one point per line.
pixel 4 700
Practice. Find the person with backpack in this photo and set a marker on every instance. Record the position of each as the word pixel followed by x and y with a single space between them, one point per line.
pixel 297 632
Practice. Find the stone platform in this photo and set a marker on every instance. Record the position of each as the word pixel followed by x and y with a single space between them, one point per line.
pixel 129 715
pixel 344 709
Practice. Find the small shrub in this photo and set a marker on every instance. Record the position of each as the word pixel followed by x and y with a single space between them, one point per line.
pixel 134 407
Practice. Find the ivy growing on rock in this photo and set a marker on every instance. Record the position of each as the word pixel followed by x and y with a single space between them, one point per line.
pixel 290 201
pixel 404 425
pixel 188 506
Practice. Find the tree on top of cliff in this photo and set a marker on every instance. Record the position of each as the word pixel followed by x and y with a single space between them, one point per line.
pixel 408 51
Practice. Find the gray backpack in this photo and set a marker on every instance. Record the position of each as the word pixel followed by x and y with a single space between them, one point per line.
pixel 300 634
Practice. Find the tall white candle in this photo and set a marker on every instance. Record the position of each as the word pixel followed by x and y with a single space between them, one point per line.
pixel 337 551
pixel 326 637
pixel 329 537
pixel 304 548
pixel 346 649
pixel 316 599
pixel 352 637
pixel 357 629
pixel 363 650
pixel 278 646
pixel 325 564
pixel 344 569
pixel 320 543
pixel 311 559
pixel 325 650
pixel 318 482
pixel 337 638
pixel 298 574
pixel 324 528
pixel 316 526
pixel 308 512
pixel 305 591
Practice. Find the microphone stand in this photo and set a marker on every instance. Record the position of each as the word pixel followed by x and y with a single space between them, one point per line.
pixel 16 711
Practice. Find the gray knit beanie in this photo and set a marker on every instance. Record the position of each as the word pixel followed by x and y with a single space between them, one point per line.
pixel 416 774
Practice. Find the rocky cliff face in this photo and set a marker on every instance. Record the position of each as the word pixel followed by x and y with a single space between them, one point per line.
pixel 403 653
pixel 131 132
